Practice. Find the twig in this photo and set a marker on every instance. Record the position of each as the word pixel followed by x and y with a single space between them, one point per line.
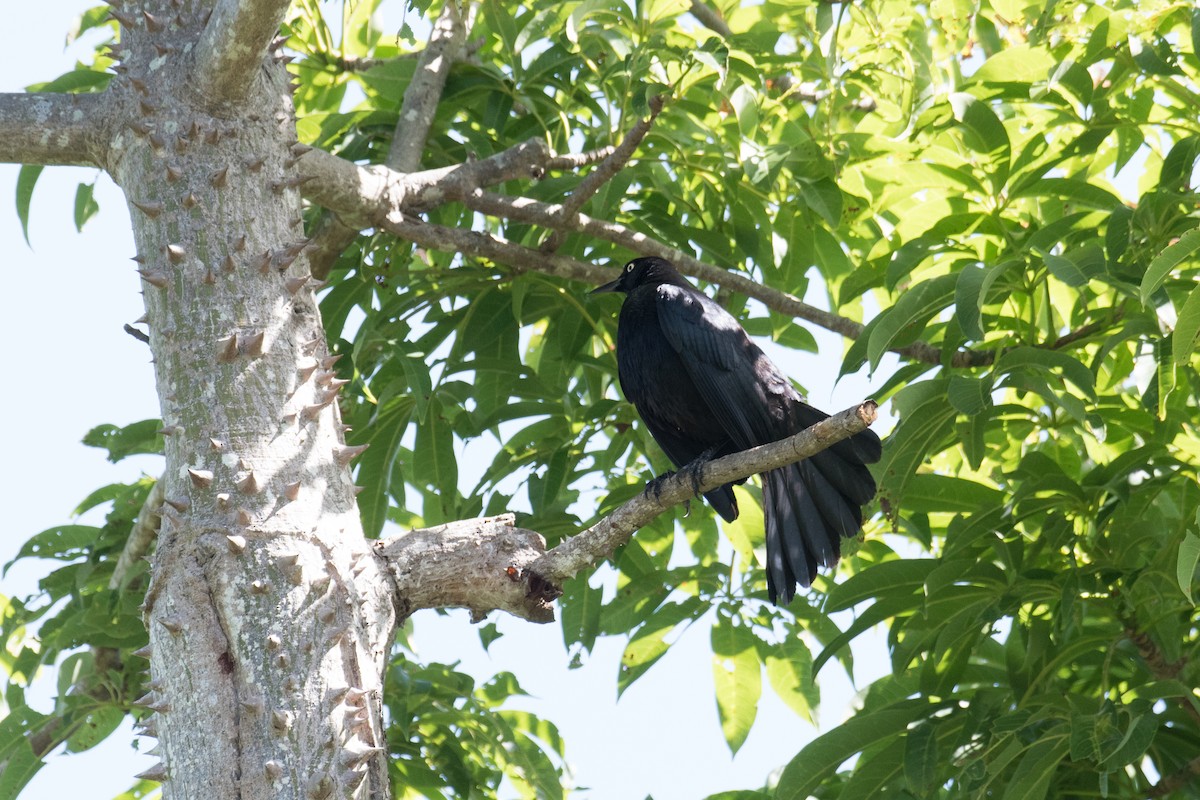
pixel 610 166
pixel 145 530
pixel 485 245
pixel 602 539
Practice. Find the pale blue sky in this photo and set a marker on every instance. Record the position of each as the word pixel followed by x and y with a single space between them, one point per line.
pixel 62 308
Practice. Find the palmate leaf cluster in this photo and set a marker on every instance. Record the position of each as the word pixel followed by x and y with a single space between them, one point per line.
pixel 1012 183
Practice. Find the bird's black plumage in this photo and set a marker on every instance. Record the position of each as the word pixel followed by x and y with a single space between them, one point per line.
pixel 705 390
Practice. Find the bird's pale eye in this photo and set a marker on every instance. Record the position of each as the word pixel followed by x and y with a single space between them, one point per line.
pixel 629 267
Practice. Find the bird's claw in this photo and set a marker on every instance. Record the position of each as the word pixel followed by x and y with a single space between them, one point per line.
pixel 654 485
pixel 695 470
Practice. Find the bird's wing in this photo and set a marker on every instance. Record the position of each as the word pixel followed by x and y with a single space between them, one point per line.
pixel 744 389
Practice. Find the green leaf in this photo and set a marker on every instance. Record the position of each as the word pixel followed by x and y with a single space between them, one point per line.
pixel 789 671
pixel 807 771
pixel 1065 270
pixel 94 727
pixel 85 205
pixel 1187 329
pixel 374 470
pixel 1021 64
pixel 903 323
pixel 737 676
pixel 969 300
pixel 64 543
pixel 1185 566
pixel 26 179
pixel 926 421
pixel 825 198
pixel 1031 779
pixel 132 439
pixel 921 759
pixel 434 463
pixel 1036 358
pixel 901 576
pixel 1172 256
pixel 969 395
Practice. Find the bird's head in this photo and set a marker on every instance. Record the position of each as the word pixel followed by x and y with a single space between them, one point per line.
pixel 646 271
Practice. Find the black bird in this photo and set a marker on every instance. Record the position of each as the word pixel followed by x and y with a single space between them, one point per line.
pixel 704 390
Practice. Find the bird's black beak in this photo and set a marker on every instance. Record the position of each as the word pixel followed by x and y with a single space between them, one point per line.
pixel 611 286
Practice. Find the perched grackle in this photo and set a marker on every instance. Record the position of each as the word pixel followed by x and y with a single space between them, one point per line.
pixel 704 390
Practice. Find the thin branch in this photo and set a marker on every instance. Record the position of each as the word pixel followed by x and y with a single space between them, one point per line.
pixel 376 195
pixel 710 18
pixel 424 92
pixel 485 245
pixel 612 164
pixel 602 539
pixel 531 211
pixel 572 161
pixel 51 128
pixel 359 64
pixel 486 564
pixel 232 46
pixel 333 235
pixel 145 530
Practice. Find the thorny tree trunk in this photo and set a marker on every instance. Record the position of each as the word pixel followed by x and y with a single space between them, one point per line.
pixel 269 623
pixel 270 616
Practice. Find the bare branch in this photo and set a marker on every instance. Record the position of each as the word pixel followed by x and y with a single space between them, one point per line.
pixel 611 165
pixel 145 529
pixel 376 195
pixel 486 564
pixel 424 92
pixel 232 45
pixel 570 161
pixel 602 539
pixel 345 63
pixel 485 245
pixel 710 18
pixel 476 564
pixel 417 111
pixel 361 194
pixel 553 215
pixel 51 128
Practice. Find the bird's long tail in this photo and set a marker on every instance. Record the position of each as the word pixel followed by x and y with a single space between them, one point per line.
pixel 809 506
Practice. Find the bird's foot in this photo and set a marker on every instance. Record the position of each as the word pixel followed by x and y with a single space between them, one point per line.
pixel 654 485
pixel 695 470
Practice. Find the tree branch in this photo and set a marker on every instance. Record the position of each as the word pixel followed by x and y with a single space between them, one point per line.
pixel 474 563
pixel 231 47
pixel 51 128
pixel 377 195
pixel 487 564
pixel 362 195
pixel 602 539
pixel 710 18
pixel 424 92
pixel 332 235
pixel 610 166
